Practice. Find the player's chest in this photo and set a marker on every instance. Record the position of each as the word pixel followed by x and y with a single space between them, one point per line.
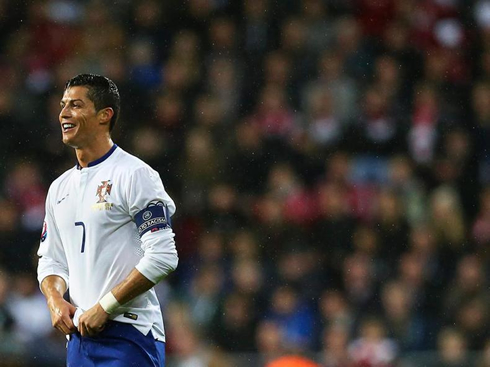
pixel 91 197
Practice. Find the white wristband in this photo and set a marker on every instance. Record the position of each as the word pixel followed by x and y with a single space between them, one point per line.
pixel 109 303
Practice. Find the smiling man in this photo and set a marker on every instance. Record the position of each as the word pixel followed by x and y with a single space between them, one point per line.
pixel 107 237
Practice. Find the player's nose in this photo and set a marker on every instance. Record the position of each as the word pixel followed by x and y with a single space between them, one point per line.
pixel 65 113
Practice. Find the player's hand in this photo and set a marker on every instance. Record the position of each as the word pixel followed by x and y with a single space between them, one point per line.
pixel 62 314
pixel 93 321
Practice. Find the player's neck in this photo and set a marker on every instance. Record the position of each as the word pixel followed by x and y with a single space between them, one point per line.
pixel 93 152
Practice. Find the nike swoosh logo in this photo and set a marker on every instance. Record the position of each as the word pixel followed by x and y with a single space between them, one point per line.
pixel 59 201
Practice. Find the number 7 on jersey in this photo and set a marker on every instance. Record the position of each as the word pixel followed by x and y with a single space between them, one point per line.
pixel 83 235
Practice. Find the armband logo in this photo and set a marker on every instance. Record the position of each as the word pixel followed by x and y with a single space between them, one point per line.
pixel 44 232
pixel 153 218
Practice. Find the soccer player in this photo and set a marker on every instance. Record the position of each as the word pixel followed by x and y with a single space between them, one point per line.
pixel 107 237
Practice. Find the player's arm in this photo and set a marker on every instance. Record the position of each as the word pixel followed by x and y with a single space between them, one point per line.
pixel 159 260
pixel 131 287
pixel 53 288
pixel 52 272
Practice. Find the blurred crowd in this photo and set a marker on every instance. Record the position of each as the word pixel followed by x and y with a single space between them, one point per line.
pixel 329 160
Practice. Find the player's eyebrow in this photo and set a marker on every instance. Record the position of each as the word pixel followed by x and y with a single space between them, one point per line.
pixel 70 100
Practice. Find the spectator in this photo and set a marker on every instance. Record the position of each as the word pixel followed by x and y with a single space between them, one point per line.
pixel 405 323
pixel 234 327
pixel 244 246
pixel 372 348
pixel 335 310
pixel 335 351
pixel 32 321
pixel 359 281
pixel 452 348
pixel 425 120
pixel 403 180
pixel 322 127
pixel 469 283
pixel 26 189
pixel 293 316
pixel 269 340
pixel 392 227
pixel 343 89
pixel 224 80
pixel 204 296
pixel 447 219
pixel 473 320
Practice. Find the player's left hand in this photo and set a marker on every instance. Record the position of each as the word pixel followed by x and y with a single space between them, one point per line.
pixel 93 321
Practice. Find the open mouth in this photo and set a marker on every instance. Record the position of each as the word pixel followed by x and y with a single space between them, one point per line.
pixel 67 127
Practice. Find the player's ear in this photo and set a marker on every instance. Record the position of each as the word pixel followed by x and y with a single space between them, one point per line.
pixel 105 115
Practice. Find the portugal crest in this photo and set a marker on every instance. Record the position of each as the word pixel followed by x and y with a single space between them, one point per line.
pixel 103 190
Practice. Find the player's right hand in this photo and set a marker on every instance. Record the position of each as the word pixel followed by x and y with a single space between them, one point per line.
pixel 62 313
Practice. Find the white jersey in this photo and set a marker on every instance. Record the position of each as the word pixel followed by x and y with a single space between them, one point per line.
pixel 101 222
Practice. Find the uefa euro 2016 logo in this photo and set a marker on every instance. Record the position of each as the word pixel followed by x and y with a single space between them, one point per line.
pixel 44 233
pixel 103 191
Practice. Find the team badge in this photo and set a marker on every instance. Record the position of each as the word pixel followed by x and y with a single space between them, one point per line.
pixel 103 191
pixel 44 233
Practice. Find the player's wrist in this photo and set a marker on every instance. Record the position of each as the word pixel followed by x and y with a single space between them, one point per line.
pixel 54 299
pixel 109 303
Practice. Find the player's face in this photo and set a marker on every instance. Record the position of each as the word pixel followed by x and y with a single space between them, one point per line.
pixel 78 118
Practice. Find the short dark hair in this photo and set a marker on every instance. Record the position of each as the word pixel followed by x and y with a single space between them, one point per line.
pixel 102 92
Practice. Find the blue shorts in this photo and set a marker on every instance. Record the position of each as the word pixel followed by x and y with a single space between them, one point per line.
pixel 118 345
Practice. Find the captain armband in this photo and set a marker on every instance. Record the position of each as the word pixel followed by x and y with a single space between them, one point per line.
pixel 153 218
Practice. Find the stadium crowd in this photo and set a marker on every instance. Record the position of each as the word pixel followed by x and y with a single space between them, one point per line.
pixel 329 160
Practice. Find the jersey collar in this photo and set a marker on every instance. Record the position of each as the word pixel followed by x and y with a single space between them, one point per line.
pixel 101 159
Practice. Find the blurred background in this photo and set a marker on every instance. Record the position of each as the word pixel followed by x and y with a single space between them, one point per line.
pixel 329 160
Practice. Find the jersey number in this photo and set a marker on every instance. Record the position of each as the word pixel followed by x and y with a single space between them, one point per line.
pixel 83 236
